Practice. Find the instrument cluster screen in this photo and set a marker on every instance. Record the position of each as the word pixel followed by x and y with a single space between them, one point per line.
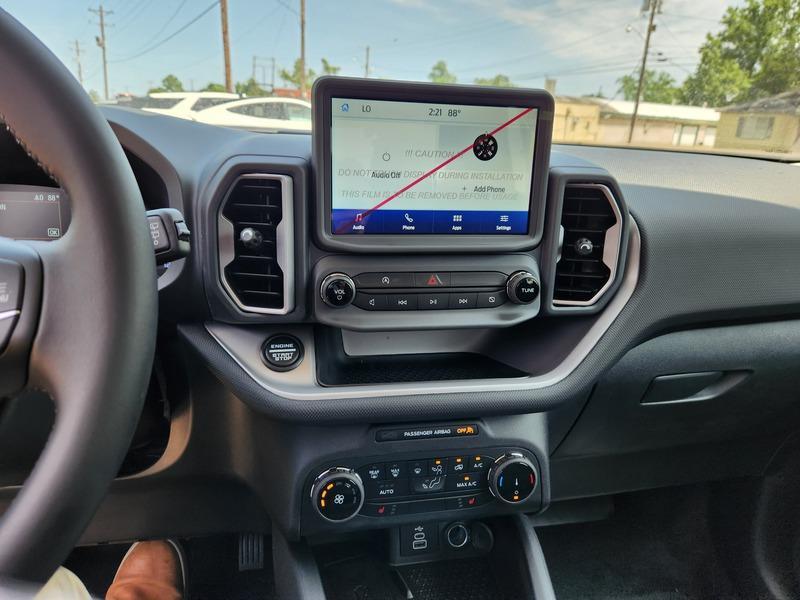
pixel 33 212
pixel 416 168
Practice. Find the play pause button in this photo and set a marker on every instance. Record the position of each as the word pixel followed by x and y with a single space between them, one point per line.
pixel 433 301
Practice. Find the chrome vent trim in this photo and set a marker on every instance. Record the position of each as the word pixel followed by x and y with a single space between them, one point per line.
pixel 611 245
pixel 284 244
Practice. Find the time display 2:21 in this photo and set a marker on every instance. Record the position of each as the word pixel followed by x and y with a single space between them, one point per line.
pixel 438 112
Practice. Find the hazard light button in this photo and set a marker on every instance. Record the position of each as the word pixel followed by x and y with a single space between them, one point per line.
pixel 429 280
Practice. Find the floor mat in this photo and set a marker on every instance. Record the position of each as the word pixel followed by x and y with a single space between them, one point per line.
pixel 657 546
pixel 469 579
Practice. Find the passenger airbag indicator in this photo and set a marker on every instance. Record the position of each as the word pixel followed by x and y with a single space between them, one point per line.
pixel 426 433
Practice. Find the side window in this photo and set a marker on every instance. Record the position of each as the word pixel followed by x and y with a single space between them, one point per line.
pixel 202 103
pixel 752 127
pixel 245 109
pixel 298 112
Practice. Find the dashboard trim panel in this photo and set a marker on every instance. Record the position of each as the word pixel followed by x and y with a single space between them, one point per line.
pixel 300 384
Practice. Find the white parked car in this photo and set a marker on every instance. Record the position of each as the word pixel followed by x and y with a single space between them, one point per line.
pixel 179 104
pixel 272 114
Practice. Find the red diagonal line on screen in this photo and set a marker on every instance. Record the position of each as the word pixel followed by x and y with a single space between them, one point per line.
pixel 432 171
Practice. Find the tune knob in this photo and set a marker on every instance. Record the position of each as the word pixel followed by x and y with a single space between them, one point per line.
pixel 512 478
pixel 337 290
pixel 522 287
pixel 338 494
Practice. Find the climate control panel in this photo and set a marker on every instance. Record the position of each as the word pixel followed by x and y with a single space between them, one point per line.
pixel 450 481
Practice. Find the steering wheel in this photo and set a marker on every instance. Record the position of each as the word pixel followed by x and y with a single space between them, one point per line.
pixel 85 325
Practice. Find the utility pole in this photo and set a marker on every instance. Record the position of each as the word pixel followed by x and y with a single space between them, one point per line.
pixel 226 47
pixel 272 90
pixel 77 48
pixel 366 64
pixel 101 42
pixel 303 82
pixel 653 6
pixel 254 68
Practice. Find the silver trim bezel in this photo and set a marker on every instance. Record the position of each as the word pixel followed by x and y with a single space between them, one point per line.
pixel 284 244
pixel 611 245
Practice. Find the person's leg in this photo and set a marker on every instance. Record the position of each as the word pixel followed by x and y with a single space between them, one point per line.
pixel 150 571
pixel 63 585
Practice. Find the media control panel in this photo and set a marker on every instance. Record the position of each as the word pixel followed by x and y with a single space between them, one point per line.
pixel 444 292
pixel 430 290
pixel 450 481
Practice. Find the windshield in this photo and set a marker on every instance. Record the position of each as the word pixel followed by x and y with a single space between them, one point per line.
pixel 697 75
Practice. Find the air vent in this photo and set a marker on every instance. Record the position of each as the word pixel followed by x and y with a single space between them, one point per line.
pixel 591 226
pixel 256 243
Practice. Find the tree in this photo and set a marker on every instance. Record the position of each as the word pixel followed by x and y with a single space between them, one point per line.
pixel 170 83
pixel 214 87
pixel 293 78
pixel 754 55
pixel 496 81
pixel 250 88
pixel 440 74
pixel 328 68
pixel 94 96
pixel 717 81
pixel 657 87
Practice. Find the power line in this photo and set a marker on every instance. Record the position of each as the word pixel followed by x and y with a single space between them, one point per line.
pixel 163 27
pixel 172 35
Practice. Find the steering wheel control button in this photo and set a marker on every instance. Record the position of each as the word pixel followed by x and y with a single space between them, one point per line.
pixel 337 494
pixel 457 535
pixel 7 321
pixel 11 283
pixel 337 290
pixel 522 288
pixel 158 233
pixel 370 301
pixel 512 478
pixel 282 352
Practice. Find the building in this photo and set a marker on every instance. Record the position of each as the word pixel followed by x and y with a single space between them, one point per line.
pixel 577 120
pixel 657 125
pixel 770 124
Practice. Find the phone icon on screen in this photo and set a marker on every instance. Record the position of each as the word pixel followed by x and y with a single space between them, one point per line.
pixel 408 218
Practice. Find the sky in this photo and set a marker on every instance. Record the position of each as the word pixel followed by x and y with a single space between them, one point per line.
pixel 586 45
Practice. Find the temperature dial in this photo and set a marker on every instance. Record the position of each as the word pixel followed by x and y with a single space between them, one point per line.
pixel 512 478
pixel 338 494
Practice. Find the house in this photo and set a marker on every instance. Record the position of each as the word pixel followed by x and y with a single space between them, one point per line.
pixel 576 120
pixel 657 125
pixel 770 124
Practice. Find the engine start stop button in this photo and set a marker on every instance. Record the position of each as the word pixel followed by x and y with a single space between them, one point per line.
pixel 282 352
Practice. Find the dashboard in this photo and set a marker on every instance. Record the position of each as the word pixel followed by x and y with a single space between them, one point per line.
pixel 426 279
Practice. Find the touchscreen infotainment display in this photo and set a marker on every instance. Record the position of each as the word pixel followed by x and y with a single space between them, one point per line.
pixel 416 168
